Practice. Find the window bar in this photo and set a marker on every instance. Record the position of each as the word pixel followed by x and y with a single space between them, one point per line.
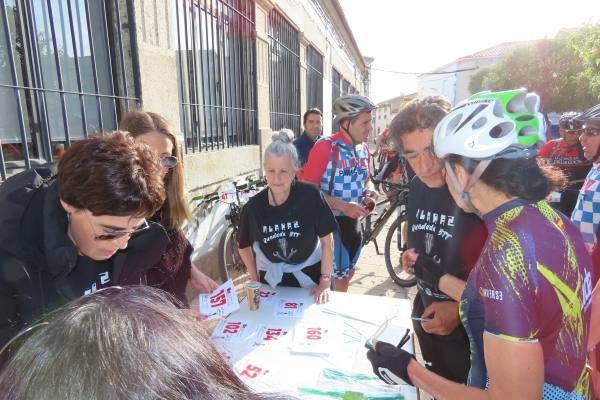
pixel 77 67
pixel 201 105
pixel 38 82
pixel 13 71
pixel 181 76
pixel 135 59
pixel 187 90
pixel 192 77
pixel 2 165
pixel 229 63
pixel 217 75
pixel 214 120
pixel 237 29
pixel 224 122
pixel 93 59
pixel 63 103
pixel 206 76
pixel 110 62
pixel 121 50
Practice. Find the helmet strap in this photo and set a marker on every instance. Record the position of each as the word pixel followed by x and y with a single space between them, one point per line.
pixel 354 142
pixel 463 193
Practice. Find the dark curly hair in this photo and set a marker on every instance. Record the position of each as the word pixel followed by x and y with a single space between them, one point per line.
pixel 111 175
pixel 420 113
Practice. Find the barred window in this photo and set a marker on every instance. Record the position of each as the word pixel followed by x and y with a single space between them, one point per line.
pixel 314 79
pixel 63 74
pixel 284 57
pixel 336 81
pixel 216 66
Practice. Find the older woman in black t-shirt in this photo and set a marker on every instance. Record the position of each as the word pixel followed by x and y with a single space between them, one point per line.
pixel 285 235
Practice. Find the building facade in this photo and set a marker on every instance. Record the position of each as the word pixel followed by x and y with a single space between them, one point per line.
pixel 227 73
pixel 387 110
pixel 452 80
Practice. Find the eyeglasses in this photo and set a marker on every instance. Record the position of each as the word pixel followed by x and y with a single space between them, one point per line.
pixel 591 131
pixel 573 131
pixel 168 161
pixel 114 235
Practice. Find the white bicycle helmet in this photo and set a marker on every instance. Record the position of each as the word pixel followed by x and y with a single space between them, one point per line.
pixel 492 125
pixel 351 105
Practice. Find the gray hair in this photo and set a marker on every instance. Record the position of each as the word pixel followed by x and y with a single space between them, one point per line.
pixel 122 343
pixel 282 145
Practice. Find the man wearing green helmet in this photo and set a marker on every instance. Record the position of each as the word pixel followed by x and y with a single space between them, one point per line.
pixel 526 303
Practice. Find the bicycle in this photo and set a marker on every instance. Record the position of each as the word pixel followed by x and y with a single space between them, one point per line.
pixel 230 262
pixel 395 241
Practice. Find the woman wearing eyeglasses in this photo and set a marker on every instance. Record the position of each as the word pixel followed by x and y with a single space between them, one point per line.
pixel 175 268
pixel 69 234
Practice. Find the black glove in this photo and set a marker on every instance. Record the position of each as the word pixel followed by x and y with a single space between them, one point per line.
pixel 428 270
pixel 390 363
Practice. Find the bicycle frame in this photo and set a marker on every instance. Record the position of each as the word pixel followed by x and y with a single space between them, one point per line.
pixel 397 200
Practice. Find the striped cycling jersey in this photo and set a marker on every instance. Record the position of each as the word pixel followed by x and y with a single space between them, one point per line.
pixel 532 282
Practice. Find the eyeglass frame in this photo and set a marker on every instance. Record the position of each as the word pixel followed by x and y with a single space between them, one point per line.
pixel 115 235
pixel 591 131
pixel 164 162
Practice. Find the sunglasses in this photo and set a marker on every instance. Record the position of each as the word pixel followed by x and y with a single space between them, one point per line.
pixel 114 235
pixel 591 131
pixel 168 161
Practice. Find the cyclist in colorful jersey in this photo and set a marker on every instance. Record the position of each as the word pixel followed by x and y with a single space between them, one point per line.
pixel 566 154
pixel 339 166
pixel 526 303
pixel 586 214
pixel 591 142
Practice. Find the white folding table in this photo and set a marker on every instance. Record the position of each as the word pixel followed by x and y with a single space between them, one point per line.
pixel 292 345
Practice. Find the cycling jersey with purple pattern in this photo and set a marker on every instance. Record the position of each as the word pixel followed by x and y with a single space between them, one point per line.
pixel 532 283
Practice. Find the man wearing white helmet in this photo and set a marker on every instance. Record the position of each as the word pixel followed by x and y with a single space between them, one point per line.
pixel 439 231
pixel 526 303
pixel 339 165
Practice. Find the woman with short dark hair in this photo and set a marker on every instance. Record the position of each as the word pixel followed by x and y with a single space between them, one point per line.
pixel 69 235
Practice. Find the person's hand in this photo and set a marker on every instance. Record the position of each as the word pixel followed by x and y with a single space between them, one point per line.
pixel 354 210
pixel 390 363
pixel 321 292
pixel 428 270
pixel 202 282
pixel 371 194
pixel 445 317
pixel 407 260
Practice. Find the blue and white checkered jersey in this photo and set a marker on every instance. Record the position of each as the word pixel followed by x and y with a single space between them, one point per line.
pixel 351 173
pixel 586 215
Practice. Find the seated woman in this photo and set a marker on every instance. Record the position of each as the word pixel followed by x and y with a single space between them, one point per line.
pixel 175 267
pixel 121 343
pixel 286 230
pixel 526 303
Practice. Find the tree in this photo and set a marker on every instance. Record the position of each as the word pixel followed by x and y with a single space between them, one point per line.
pixel 557 69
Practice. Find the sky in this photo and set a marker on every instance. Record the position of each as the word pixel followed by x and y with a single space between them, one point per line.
pixel 422 35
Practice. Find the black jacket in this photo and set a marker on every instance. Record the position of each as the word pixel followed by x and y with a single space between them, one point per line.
pixel 36 255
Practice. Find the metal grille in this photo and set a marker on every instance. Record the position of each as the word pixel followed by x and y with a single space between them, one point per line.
pixel 63 74
pixel 345 87
pixel 314 79
pixel 284 57
pixel 336 79
pixel 216 57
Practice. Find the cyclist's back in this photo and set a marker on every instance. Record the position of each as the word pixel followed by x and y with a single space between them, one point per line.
pixel 538 283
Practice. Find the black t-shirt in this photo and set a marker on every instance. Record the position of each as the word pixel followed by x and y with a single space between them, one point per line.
pixel 90 275
pixel 440 229
pixel 287 232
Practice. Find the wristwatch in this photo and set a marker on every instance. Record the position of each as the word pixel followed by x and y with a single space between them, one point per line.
pixel 326 277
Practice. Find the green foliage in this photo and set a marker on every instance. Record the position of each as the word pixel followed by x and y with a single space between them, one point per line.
pixel 564 71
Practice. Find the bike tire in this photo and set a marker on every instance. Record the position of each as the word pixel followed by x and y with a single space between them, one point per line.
pixel 231 264
pixel 393 251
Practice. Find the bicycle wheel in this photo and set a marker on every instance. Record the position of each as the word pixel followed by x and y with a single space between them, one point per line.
pixel 394 242
pixel 230 262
